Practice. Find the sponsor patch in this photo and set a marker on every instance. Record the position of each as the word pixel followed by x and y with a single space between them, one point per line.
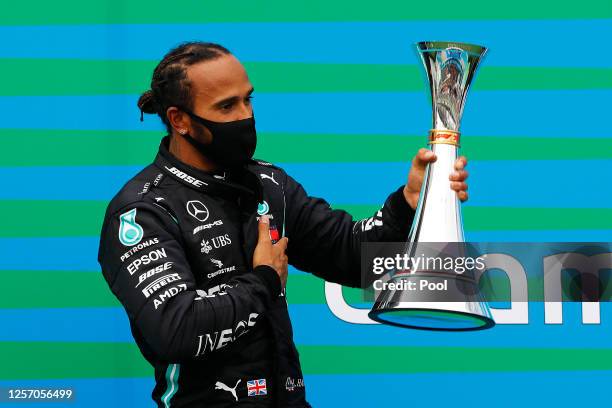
pixel 207 226
pixel 376 221
pixel 221 386
pixel 168 293
pixel 291 384
pixel 212 292
pixel 220 241
pixel 221 271
pixel 130 232
pixel 205 246
pixel 186 177
pixel 159 283
pixel 268 177
pixel 220 339
pixel 138 247
pixel 263 208
pixel 146 259
pixel 197 210
pixel 158 269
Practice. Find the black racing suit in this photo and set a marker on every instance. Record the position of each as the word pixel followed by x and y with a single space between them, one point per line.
pixel 176 249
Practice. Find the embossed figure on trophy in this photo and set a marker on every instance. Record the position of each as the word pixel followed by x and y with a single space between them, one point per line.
pixel 220 386
pixel 449 98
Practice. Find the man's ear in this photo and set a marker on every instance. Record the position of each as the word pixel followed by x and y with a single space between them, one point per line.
pixel 178 119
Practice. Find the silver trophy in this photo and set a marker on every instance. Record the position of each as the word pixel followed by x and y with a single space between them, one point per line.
pixel 460 306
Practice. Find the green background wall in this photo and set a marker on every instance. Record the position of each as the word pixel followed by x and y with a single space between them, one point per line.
pixel 341 104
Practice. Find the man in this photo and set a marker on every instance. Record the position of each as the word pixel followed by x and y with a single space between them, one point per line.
pixel 196 245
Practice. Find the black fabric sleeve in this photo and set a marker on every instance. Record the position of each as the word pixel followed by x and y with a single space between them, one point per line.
pixel 153 281
pixel 328 242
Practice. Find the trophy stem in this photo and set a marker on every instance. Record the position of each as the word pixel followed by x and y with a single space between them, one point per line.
pixel 438 216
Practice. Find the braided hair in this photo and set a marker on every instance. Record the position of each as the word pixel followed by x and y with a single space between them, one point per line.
pixel 170 85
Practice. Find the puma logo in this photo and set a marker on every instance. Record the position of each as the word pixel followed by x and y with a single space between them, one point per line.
pixel 220 386
pixel 265 176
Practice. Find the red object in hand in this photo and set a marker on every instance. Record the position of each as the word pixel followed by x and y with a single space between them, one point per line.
pixel 274 235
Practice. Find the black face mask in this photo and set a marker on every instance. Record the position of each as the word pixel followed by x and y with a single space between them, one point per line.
pixel 233 143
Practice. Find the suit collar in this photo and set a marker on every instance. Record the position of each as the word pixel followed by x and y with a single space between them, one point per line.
pixel 241 183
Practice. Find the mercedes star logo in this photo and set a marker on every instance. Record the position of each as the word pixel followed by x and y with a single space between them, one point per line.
pixel 197 210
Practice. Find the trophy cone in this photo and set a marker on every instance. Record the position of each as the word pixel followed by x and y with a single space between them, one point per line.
pixel 450 69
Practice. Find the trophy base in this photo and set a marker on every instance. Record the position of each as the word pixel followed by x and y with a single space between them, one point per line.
pixel 432 319
pixel 404 308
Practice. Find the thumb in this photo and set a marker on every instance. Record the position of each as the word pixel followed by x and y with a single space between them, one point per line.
pixel 264 229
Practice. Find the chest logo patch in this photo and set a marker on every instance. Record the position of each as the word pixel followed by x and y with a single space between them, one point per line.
pixel 263 208
pixel 130 232
pixel 197 210
pixel 271 178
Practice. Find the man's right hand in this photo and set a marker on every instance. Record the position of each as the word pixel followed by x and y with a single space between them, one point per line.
pixel 270 254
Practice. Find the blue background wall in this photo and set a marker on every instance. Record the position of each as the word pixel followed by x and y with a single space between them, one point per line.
pixel 341 104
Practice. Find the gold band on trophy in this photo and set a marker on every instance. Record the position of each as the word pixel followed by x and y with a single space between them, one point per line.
pixel 450 137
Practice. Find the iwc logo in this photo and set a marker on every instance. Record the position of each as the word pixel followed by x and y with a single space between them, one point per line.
pixel 130 233
pixel 263 208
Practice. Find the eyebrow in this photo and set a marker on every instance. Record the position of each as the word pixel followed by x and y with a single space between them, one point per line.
pixel 231 99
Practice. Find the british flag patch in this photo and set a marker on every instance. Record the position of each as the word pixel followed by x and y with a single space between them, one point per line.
pixel 257 387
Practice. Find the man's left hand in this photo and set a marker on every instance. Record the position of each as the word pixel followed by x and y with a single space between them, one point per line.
pixel 412 189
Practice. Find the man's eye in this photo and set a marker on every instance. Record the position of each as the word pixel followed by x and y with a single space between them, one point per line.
pixel 226 106
pixel 248 98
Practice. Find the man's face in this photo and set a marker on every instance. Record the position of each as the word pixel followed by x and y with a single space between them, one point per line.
pixel 221 92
